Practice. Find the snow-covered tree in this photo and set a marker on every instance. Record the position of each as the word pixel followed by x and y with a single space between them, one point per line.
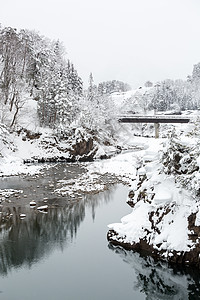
pixel 33 65
pixel 14 57
pixel 98 113
pixel 92 89
pixel 148 84
pixel 108 87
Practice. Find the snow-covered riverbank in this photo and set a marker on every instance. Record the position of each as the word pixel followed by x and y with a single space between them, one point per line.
pixel 165 198
pixel 163 176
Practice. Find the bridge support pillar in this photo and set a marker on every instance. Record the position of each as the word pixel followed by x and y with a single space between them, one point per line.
pixel 156 125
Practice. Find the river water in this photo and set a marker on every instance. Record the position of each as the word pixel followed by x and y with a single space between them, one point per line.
pixel 64 254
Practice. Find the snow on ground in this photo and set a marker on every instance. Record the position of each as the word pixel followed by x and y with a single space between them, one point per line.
pixel 15 149
pixel 119 168
pixel 174 226
pixel 120 98
pixel 123 166
pixel 166 201
pixel 27 117
pixel 100 173
pixel 12 160
pixel 172 231
pixel 158 192
pixel 85 183
pixel 163 204
pixel 13 165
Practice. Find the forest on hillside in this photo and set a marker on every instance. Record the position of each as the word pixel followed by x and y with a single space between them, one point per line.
pixel 35 67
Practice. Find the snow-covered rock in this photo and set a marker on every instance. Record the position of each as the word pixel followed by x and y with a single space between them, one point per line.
pixel 42 208
pixel 165 219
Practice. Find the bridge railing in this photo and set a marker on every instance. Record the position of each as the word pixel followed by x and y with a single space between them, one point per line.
pixel 155 116
pixel 153 119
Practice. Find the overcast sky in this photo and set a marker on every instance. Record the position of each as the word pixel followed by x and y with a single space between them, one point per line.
pixel 129 40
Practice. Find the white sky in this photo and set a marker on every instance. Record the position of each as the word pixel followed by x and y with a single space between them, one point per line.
pixel 129 40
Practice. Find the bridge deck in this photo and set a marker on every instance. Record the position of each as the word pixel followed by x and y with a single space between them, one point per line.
pixel 153 119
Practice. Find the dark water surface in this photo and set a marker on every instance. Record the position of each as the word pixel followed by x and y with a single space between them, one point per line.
pixel 64 254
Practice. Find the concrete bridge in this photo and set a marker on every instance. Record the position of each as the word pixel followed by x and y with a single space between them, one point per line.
pixel 156 119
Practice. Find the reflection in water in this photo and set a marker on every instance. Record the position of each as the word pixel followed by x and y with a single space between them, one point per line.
pixel 25 242
pixel 159 281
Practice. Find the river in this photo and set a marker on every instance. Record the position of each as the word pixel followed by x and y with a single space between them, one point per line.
pixel 64 254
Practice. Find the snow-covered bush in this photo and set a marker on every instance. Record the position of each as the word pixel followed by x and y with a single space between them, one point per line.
pixel 179 157
pixel 98 117
pixel 182 159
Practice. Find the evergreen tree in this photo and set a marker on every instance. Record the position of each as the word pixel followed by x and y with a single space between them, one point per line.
pixel 91 88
